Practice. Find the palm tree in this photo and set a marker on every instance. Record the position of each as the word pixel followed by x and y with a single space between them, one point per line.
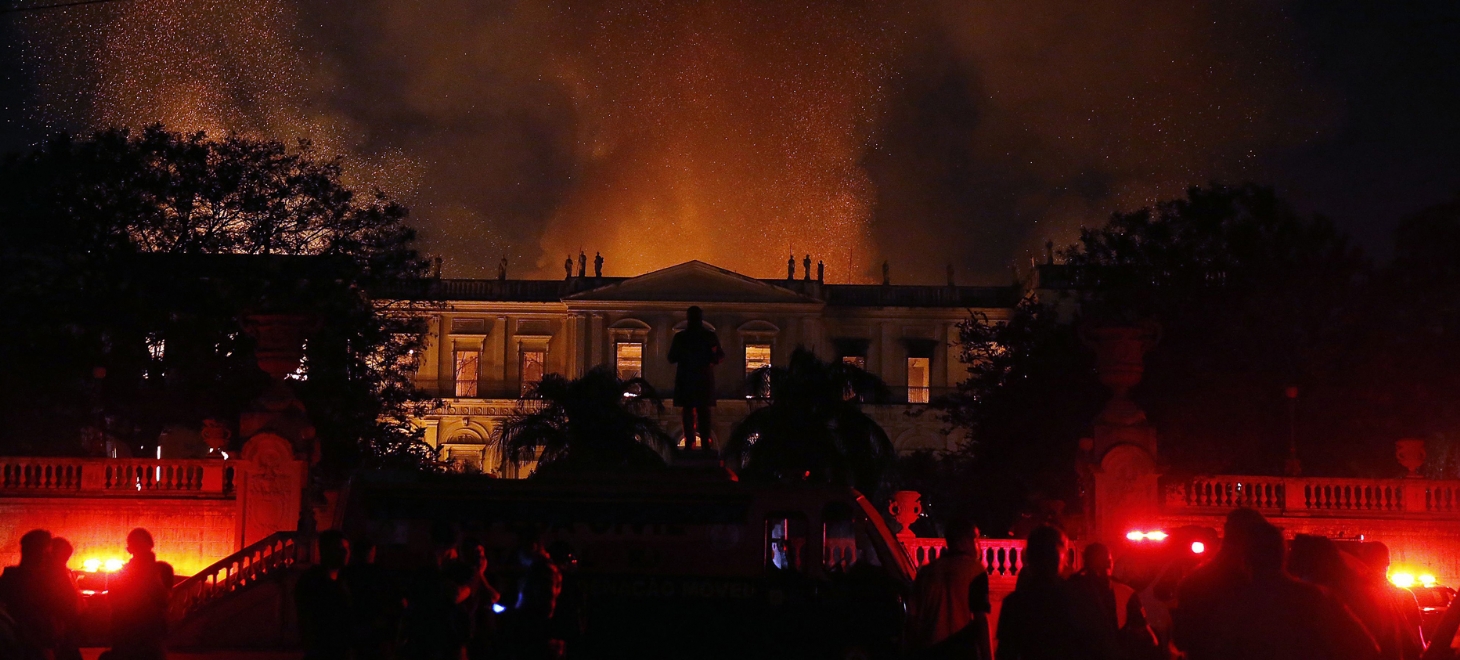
pixel 813 428
pixel 596 422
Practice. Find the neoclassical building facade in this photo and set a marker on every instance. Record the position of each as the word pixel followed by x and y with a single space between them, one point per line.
pixel 490 340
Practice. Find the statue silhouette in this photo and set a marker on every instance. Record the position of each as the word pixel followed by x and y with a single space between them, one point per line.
pixel 696 350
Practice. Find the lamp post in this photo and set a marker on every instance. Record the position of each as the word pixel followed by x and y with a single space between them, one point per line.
pixel 1292 467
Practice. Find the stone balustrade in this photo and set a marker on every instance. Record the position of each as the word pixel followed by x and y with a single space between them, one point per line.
pixel 1002 558
pixel 1317 496
pixel 115 476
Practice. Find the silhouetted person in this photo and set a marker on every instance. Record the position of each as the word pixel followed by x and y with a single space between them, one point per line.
pixel 481 619
pixel 37 598
pixel 1035 620
pixel 1097 610
pixel 139 603
pixel 791 267
pixel 435 620
pixel 807 264
pixel 322 599
pixel 502 270
pixel 1271 614
pixel 571 606
pixel 820 270
pixel 1209 587
pixel 376 600
pixel 696 350
pixel 949 610
pixel 568 268
pixel 1391 613
pixel 1137 640
pixel 582 264
pixel 598 264
pixel 529 624
pixel 1444 635
pixel 68 618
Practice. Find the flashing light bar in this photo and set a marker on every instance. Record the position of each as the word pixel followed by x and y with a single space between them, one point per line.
pixel 94 564
pixel 1406 579
pixel 1138 536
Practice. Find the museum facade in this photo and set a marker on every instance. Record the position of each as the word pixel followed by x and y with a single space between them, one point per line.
pixel 491 340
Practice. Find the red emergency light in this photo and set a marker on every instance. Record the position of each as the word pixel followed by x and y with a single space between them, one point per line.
pixel 1139 536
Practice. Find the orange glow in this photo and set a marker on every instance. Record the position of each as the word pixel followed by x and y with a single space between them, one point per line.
pixel 1197 547
pixel 1427 580
pixel 1402 580
pixel 109 565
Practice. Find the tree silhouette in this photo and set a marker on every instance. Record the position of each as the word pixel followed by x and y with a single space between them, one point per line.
pixel 127 260
pixel 596 422
pixel 813 428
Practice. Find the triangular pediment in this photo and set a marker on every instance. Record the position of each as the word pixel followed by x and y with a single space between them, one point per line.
pixel 690 282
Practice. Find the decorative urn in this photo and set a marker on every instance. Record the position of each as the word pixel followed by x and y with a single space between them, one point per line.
pixel 906 506
pixel 216 435
pixel 1410 452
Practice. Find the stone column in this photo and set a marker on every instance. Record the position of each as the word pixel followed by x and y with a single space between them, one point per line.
pixel 279 440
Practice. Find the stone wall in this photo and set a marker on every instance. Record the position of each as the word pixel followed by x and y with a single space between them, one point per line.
pixel 190 533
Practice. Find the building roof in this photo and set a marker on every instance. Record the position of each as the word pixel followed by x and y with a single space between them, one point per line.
pixel 696 281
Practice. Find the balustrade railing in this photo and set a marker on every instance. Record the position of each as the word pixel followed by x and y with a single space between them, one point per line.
pixel 1002 558
pixel 1316 495
pixel 268 556
pixel 131 476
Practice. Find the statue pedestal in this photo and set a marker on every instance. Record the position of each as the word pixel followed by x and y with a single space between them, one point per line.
pixel 270 484
pixel 1126 493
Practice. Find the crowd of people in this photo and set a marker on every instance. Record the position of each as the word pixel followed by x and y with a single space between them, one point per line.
pixel 41 606
pixel 444 609
pixel 1258 598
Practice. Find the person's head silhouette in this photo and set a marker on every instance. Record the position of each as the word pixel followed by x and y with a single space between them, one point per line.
pixel 139 542
pixel 35 546
pixel 696 316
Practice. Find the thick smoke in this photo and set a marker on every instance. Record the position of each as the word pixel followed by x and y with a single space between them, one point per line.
pixel 732 131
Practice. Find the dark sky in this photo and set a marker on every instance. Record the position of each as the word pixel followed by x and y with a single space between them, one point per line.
pixel 925 133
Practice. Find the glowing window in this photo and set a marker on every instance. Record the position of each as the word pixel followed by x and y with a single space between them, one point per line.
pixel 857 361
pixel 468 372
pixel 917 380
pixel 629 359
pixel 757 357
pixel 156 347
pixel 531 369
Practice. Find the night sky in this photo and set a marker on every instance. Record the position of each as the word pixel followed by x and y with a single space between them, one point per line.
pixel 926 133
